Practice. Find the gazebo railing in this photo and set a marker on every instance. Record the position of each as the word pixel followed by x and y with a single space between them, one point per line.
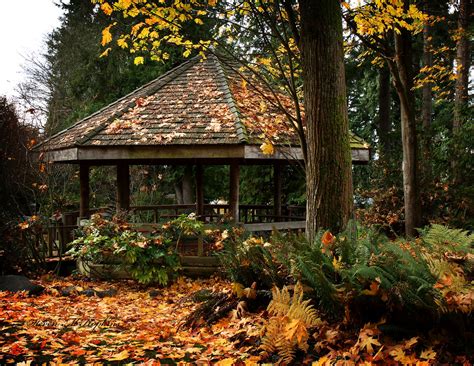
pixel 216 212
pixel 59 233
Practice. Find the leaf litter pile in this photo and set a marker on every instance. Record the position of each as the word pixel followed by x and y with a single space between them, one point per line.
pixel 135 324
pixel 130 323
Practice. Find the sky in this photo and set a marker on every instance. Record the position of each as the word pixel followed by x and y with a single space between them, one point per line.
pixel 23 27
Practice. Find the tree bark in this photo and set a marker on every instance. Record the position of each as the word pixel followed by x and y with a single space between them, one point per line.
pixel 385 123
pixel 328 163
pixel 402 74
pixel 462 64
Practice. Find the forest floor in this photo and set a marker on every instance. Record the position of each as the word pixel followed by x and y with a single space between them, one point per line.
pixel 145 325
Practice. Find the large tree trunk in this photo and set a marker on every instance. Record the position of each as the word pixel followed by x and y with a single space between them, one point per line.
pixel 328 164
pixel 462 64
pixel 402 74
pixel 384 121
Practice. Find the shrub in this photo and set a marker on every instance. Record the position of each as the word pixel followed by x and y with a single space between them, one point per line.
pixel 362 270
pixel 148 259
pixel 248 260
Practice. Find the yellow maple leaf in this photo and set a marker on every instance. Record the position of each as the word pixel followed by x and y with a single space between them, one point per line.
pixel 368 343
pixel 238 289
pixel 138 60
pixel 106 8
pixel 267 148
pixel 121 42
pixel 226 362
pixel 428 354
pixel 106 35
pixel 119 356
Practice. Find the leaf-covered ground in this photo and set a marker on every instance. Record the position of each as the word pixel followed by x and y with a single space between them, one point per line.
pixel 130 326
pixel 136 326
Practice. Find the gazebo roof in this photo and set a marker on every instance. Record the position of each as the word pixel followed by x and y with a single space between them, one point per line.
pixel 200 109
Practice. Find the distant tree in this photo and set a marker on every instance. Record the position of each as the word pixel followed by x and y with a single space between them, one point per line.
pixel 18 176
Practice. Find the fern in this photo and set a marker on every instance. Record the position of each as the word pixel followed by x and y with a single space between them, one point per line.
pixel 439 236
pixel 287 329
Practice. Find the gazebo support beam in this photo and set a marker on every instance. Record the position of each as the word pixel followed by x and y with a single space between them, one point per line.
pixel 123 187
pixel 84 190
pixel 277 168
pixel 199 191
pixel 234 190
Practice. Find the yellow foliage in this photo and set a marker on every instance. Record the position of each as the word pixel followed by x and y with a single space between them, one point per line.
pixel 106 8
pixel 138 60
pixel 267 148
pixel 291 318
pixel 106 35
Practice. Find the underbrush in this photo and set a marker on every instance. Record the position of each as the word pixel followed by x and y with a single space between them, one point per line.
pixel 360 277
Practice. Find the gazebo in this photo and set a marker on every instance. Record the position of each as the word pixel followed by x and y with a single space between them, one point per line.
pixel 201 112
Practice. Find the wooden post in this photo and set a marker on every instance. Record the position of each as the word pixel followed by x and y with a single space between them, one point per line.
pixel 84 190
pixel 234 185
pixel 123 187
pixel 199 192
pixel 277 168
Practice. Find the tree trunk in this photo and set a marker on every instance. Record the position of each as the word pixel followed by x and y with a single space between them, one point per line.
pixel 328 163
pixel 385 124
pixel 402 73
pixel 462 65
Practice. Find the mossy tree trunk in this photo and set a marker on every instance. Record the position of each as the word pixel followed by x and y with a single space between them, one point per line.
pixel 328 163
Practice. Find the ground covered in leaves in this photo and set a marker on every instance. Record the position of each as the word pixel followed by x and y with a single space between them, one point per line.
pixel 139 324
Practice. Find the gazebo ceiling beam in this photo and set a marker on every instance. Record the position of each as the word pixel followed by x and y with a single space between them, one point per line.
pixel 145 154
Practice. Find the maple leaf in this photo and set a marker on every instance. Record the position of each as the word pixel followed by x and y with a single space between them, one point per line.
pixel 267 148
pixel 398 354
pixel 428 354
pixel 139 60
pixel 120 356
pixel 106 8
pixel 106 35
pixel 368 342
pixel 227 362
pixel 327 238
pixel 16 350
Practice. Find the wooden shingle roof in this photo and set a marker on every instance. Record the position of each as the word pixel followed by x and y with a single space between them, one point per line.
pixel 200 103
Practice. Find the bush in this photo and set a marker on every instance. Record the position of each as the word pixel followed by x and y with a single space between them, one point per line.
pixel 363 271
pixel 248 260
pixel 149 259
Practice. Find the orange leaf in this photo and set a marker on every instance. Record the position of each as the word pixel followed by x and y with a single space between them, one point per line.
pixel 328 238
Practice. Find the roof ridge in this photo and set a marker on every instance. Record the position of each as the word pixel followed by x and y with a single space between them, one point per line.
pixel 164 78
pixel 229 98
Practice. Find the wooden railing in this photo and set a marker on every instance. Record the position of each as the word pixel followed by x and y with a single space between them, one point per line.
pixel 254 217
pixel 217 212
